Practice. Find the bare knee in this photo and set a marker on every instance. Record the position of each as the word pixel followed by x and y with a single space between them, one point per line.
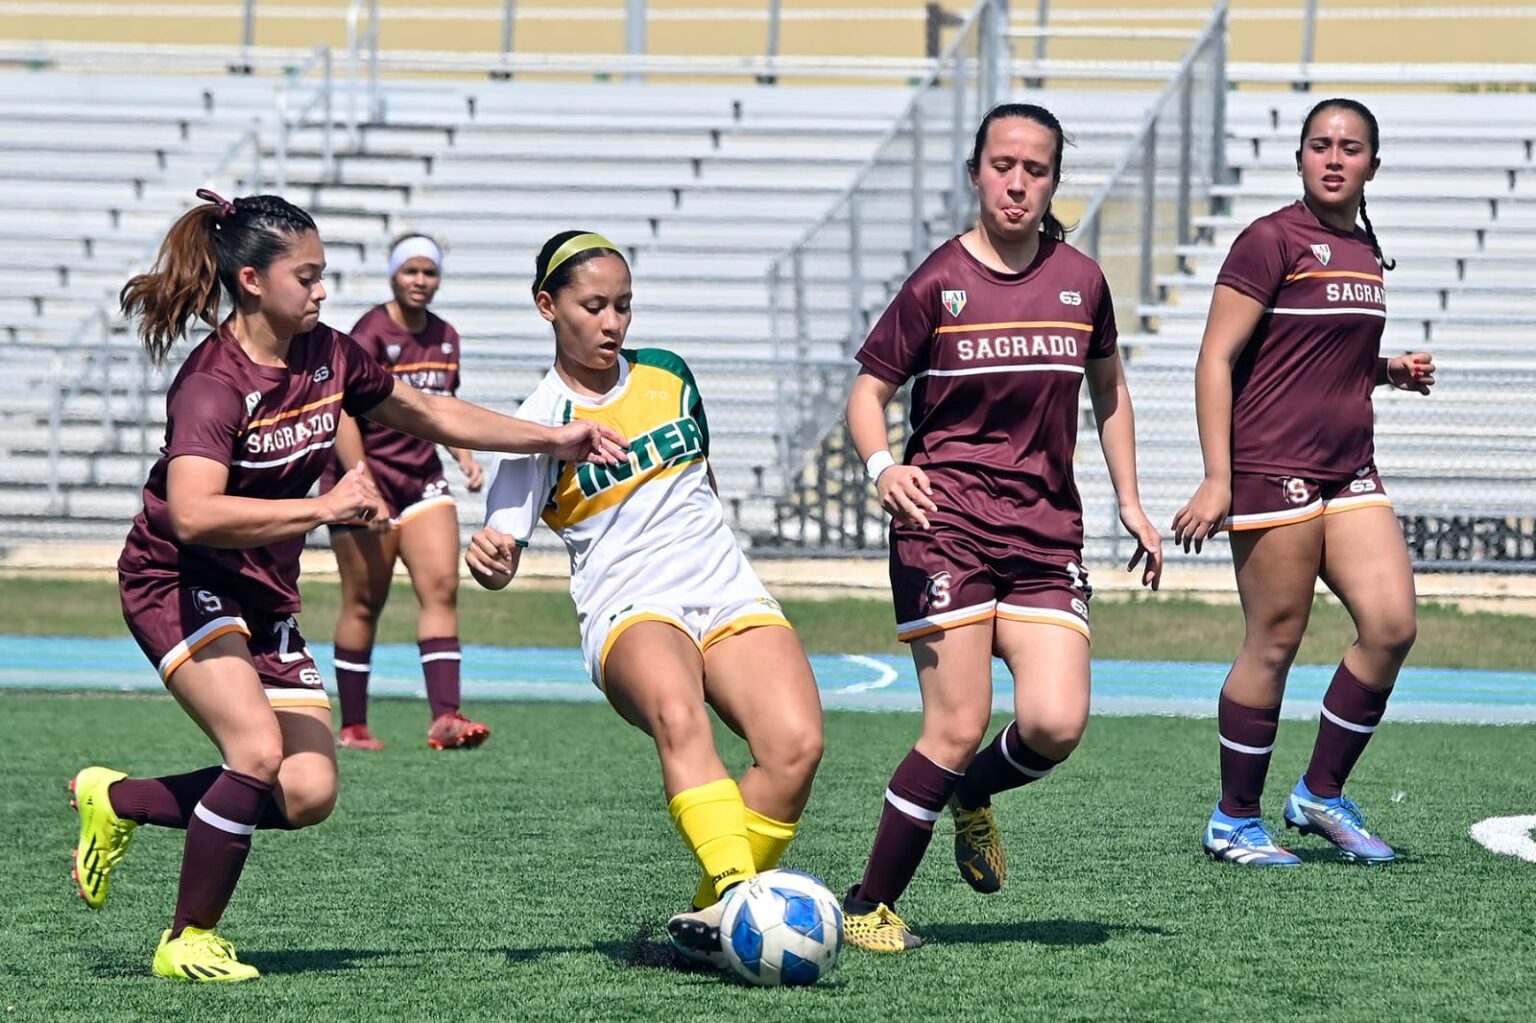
pixel 309 802
pixel 1391 638
pixel 1054 733
pixel 1274 646
pixel 953 741
pixel 679 726
pixel 260 756
pixel 793 757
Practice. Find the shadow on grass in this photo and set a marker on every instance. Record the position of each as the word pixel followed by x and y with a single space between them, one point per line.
pixel 646 948
pixel 1034 932
pixel 1329 855
pixel 312 960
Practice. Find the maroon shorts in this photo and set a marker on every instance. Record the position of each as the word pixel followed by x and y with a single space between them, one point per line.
pixel 1262 502
pixel 172 620
pixel 942 579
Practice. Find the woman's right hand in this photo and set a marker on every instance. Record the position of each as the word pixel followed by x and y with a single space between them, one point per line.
pixel 491 556
pixel 1201 518
pixel 354 498
pixel 905 492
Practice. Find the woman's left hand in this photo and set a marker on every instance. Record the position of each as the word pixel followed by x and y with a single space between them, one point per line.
pixel 1149 544
pixel 474 476
pixel 1414 371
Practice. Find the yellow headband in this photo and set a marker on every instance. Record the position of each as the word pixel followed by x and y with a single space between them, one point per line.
pixel 572 247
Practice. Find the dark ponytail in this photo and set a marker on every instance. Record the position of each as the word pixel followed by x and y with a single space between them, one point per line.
pixel 1050 226
pixel 1364 113
pixel 204 251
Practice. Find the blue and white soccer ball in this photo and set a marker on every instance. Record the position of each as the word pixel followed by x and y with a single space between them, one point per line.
pixel 782 927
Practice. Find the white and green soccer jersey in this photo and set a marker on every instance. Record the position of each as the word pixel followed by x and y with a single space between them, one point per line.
pixel 649 530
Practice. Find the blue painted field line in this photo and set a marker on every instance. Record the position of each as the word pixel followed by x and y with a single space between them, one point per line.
pixel 859 681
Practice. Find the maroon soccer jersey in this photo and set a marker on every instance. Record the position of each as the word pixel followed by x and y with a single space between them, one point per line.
pixel 1301 389
pixel 997 364
pixel 274 426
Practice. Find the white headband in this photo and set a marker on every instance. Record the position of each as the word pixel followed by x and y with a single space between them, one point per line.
pixel 410 248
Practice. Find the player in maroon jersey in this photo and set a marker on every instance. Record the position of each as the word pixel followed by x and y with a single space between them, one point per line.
pixel 420 348
pixel 1292 351
pixel 210 568
pixel 997 330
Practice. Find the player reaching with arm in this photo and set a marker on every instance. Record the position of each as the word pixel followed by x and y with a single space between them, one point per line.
pixel 1283 396
pixel 673 618
pixel 209 573
pixel 997 330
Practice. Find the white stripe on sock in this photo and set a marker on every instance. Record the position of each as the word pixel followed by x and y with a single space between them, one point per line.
pixel 352 665
pixel 1362 729
pixel 910 808
pixel 1257 751
pixel 446 655
pixel 207 816
pixel 1025 771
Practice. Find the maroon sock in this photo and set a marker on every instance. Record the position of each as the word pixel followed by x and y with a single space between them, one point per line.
pixel 1351 712
pixel 1006 763
pixel 1247 737
pixel 218 841
pixel 440 664
pixel 913 801
pixel 166 802
pixel 352 669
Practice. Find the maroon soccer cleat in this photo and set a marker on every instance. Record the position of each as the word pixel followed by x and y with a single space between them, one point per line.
pixel 455 731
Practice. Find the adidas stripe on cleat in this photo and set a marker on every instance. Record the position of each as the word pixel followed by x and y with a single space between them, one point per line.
pixel 104 836
pixel 1339 821
pixel 202 957
pixel 1245 841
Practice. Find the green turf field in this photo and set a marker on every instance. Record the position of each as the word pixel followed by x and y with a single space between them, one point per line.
pixel 527 880
pixel 1156 628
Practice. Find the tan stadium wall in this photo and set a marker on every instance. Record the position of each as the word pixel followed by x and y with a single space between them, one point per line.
pixel 1397 37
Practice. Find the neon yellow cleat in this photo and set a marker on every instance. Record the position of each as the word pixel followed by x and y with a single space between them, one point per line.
pixel 104 836
pixel 876 927
pixel 979 848
pixel 202 957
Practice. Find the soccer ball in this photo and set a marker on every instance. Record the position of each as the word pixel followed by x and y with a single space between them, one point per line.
pixel 782 927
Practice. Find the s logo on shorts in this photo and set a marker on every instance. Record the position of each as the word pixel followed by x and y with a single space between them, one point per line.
pixel 1296 490
pixel 938 591
pixel 207 603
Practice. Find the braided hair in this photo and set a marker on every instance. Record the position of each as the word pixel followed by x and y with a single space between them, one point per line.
pixel 203 252
pixel 1374 130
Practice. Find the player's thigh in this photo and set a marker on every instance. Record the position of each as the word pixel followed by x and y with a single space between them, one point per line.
pixel 429 546
pixel 1051 668
pixel 1277 570
pixel 221 691
pixel 366 562
pixel 308 781
pixel 760 683
pixel 653 675
pixel 1366 565
pixel 954 673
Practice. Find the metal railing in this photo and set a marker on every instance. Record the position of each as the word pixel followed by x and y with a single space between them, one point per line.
pixel 877 230
pixel 1145 208
pixel 358 41
pixel 323 97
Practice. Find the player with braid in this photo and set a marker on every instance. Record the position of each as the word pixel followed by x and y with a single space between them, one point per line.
pixel 1291 354
pixel 209 572
pixel 998 330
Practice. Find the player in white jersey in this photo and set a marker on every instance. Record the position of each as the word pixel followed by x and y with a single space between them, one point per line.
pixel 672 615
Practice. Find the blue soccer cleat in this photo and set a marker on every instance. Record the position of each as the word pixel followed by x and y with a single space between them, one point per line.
pixel 1339 821
pixel 1244 840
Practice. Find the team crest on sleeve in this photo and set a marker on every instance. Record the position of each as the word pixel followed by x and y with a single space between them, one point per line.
pixel 954 301
pixel 393 352
pixel 1323 253
pixel 251 401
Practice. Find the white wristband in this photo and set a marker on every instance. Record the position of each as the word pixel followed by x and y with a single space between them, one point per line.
pixel 877 463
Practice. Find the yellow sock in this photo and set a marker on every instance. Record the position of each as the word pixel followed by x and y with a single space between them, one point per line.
pixel 768 839
pixel 712 820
